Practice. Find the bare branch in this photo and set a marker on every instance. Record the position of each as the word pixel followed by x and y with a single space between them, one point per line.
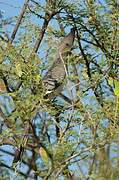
pixel 38 42
pixel 33 12
pixel 19 20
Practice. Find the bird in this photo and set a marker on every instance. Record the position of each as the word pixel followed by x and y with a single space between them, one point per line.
pixel 56 73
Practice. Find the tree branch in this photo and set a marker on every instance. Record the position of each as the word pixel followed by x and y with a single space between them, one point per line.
pixel 38 42
pixel 19 20
pixel 83 54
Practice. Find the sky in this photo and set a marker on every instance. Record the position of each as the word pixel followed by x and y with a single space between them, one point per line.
pixel 11 7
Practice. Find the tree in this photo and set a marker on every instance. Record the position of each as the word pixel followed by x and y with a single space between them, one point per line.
pixel 74 134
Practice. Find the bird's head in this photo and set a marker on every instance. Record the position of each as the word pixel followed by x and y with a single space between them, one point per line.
pixel 67 42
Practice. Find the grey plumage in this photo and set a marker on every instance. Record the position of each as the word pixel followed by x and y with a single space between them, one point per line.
pixel 54 76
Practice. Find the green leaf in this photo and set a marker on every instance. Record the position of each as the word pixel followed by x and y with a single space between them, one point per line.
pixel 44 155
pixel 110 81
pixel 116 89
pixel 19 70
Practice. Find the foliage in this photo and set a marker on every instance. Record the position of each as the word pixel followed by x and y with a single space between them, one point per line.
pixel 75 134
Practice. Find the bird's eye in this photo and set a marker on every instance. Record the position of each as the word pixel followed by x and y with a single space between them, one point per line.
pixel 67 44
